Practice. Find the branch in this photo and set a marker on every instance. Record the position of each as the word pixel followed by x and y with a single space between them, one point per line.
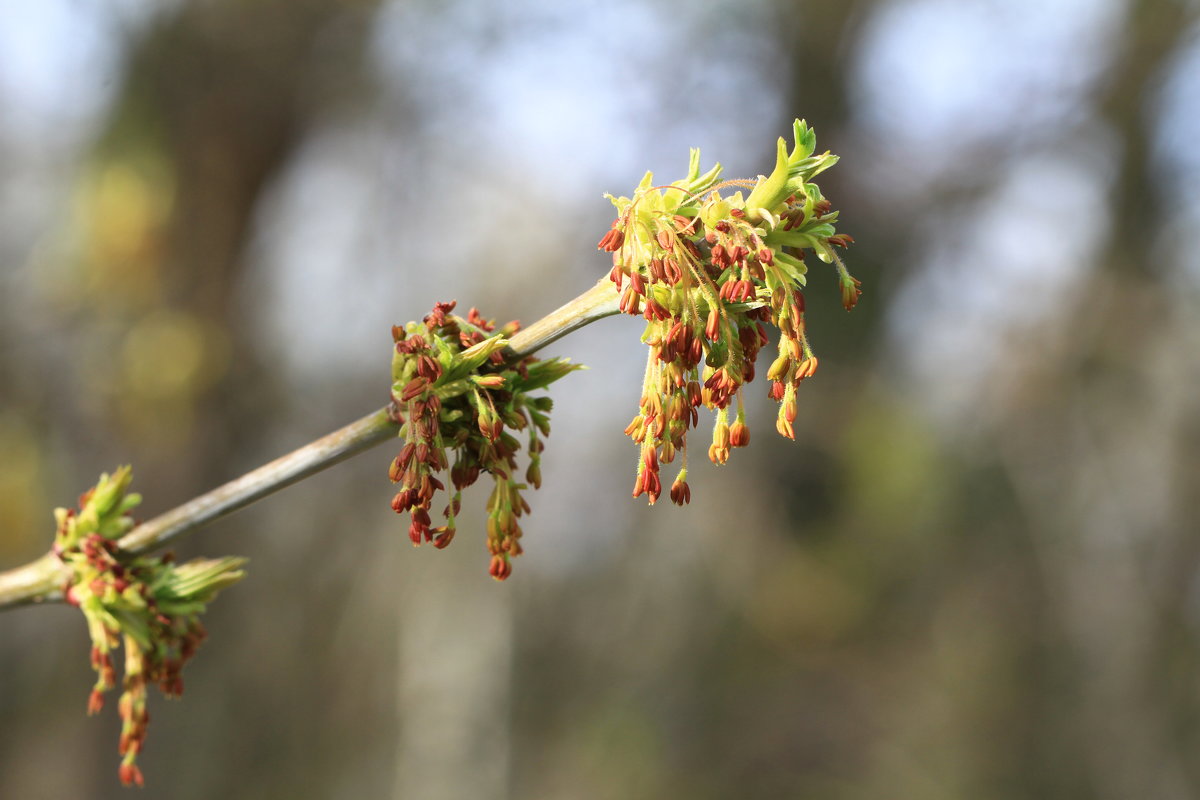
pixel 42 580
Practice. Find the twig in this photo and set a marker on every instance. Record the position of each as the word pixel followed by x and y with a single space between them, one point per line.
pixel 42 580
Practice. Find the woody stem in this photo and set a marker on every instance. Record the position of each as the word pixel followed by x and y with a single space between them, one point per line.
pixel 42 580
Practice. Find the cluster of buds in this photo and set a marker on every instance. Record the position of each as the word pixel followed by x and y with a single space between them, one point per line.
pixel 150 605
pixel 709 271
pixel 455 391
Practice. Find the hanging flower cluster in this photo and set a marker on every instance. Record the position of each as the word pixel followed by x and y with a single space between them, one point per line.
pixel 454 390
pixel 149 604
pixel 709 271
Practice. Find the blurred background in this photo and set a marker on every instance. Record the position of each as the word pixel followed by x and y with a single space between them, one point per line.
pixel 976 573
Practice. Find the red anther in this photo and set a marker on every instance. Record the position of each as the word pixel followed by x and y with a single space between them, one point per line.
pixel 712 328
pixel 616 275
pixel 476 319
pixel 654 492
pixel 719 257
pixel 737 213
pixel 414 387
pixel 428 368
pixel 851 292
pixel 499 568
pixel 95 702
pixel 398 333
pixel 437 317
pixel 739 253
pixel 655 311
pixel 639 285
pixel 402 501
pixel 776 392
pixel 672 271
pixel 630 301
pixel 665 241
pixel 766 256
pixel 711 236
pixel 442 536
pixel 681 493
pixel 612 240
pixel 130 774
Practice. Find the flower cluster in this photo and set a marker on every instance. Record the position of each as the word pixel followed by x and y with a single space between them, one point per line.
pixel 455 390
pixel 709 271
pixel 149 604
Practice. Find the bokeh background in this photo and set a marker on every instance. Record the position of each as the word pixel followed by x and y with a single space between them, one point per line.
pixel 974 574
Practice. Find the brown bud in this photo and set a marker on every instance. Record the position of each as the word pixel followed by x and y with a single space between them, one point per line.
pixel 681 493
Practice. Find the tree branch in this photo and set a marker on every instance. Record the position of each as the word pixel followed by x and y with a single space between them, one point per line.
pixel 42 580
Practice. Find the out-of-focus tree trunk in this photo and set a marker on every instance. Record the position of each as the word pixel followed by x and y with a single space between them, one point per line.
pixel 1103 425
